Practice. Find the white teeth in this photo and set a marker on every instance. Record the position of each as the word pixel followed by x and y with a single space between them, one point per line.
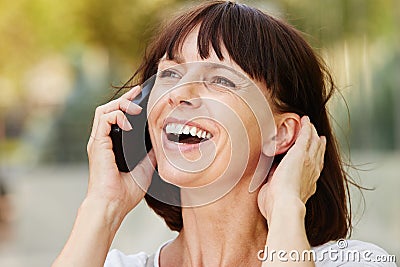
pixel 186 130
pixel 170 128
pixel 179 128
pixel 193 131
pixel 174 128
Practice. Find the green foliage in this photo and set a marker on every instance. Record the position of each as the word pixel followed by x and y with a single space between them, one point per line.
pixel 33 30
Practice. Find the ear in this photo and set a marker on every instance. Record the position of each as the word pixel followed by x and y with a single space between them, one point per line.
pixel 287 127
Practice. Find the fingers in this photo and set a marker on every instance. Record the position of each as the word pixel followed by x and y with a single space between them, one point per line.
pixel 314 141
pixel 123 103
pixel 131 94
pixel 317 148
pixel 308 137
pixel 313 145
pixel 106 120
pixel 304 135
pixel 321 152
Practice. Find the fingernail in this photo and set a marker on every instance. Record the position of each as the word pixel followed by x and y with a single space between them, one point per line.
pixel 307 118
pixel 133 108
pixel 128 126
pixel 139 108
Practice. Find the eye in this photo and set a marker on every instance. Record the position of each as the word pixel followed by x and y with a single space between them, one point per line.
pixel 169 74
pixel 224 82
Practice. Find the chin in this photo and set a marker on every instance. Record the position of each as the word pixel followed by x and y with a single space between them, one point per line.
pixel 181 178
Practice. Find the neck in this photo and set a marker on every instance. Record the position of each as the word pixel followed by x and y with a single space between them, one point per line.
pixel 224 233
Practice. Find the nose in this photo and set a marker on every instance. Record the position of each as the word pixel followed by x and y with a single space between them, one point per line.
pixel 185 96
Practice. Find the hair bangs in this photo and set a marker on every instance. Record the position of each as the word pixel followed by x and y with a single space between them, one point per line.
pixel 208 21
pixel 230 26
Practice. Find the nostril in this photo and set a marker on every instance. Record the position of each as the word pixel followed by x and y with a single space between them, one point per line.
pixel 185 102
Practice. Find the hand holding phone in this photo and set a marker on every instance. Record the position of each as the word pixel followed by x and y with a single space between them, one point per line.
pixel 107 184
pixel 131 147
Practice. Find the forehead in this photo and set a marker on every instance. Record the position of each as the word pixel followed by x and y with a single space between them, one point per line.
pixel 189 52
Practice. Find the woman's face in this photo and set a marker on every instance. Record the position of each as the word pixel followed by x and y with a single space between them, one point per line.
pixel 201 134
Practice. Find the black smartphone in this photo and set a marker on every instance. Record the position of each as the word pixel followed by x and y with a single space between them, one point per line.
pixel 131 147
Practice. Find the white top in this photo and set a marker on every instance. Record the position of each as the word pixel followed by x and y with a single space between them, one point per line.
pixel 345 253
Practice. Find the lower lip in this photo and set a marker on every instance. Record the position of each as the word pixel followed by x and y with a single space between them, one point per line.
pixel 183 147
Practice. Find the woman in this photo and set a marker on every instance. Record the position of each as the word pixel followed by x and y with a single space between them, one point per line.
pixel 301 204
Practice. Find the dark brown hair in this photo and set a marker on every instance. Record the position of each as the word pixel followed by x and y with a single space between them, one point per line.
pixel 273 52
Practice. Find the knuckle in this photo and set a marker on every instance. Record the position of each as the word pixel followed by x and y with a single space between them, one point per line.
pixel 103 117
pixel 314 189
pixel 99 110
pixel 121 102
pixel 307 160
pixel 316 174
pixel 119 114
pixel 115 102
pixel 307 142
pixel 90 148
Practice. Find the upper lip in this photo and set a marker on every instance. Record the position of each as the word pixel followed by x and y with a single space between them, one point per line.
pixel 188 123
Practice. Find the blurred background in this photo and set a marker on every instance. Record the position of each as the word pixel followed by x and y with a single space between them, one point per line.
pixel 58 60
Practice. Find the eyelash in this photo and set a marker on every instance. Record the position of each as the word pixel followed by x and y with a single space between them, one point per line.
pixel 224 82
pixel 217 80
pixel 169 73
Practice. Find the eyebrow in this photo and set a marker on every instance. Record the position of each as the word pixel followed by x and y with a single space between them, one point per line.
pixel 177 59
pixel 213 66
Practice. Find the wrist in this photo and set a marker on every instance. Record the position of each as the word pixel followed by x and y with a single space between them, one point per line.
pixel 287 207
pixel 108 214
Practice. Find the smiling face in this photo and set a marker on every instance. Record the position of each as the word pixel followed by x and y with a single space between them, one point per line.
pixel 201 125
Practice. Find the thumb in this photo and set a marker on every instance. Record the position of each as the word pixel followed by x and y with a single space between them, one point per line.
pixel 143 172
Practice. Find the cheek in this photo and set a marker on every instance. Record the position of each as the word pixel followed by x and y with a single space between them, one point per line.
pixel 253 132
pixel 255 148
pixel 240 142
pixel 154 111
pixel 252 140
pixel 155 115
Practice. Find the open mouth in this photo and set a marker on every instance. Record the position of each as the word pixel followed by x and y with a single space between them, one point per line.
pixel 186 134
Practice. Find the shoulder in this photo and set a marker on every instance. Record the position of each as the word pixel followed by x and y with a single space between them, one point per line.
pixel 116 258
pixel 352 253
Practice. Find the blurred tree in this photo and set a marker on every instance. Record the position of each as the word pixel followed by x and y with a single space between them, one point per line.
pixel 33 30
pixel 121 31
pixel 375 126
